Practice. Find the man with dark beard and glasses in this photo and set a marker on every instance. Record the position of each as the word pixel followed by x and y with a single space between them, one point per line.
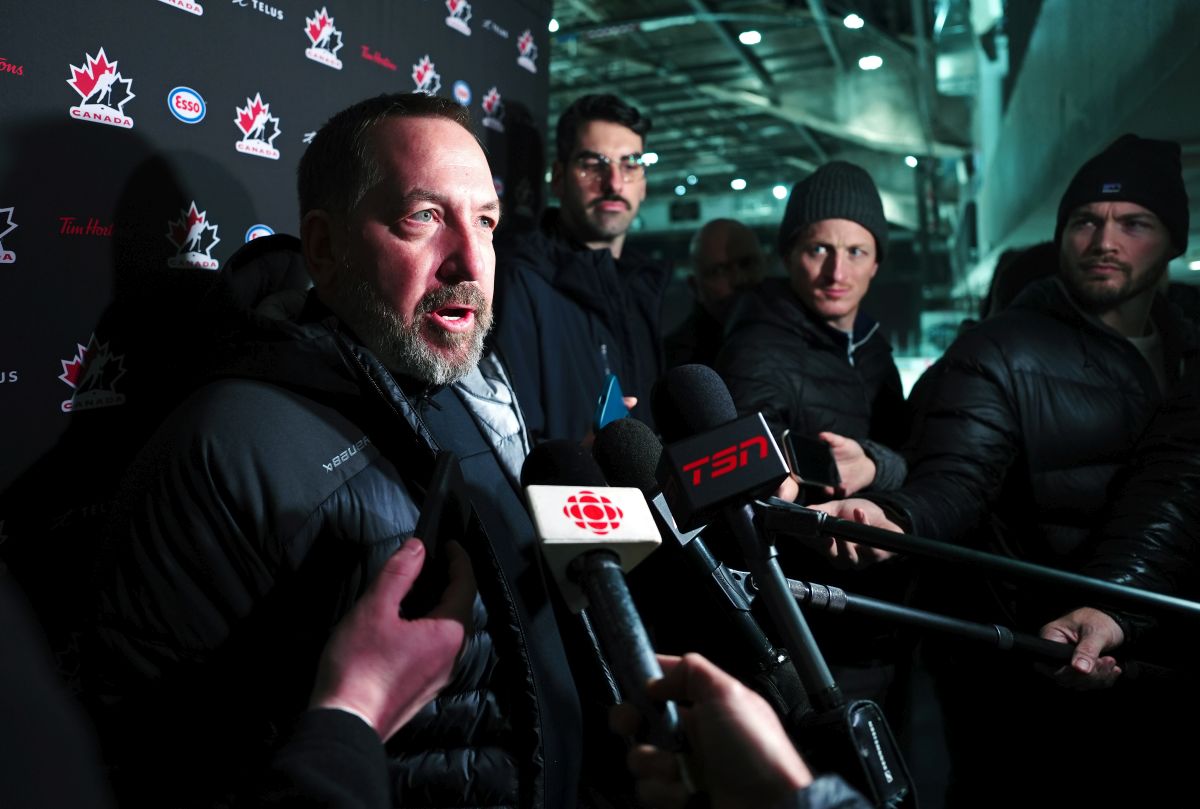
pixel 266 503
pixel 574 302
pixel 1020 431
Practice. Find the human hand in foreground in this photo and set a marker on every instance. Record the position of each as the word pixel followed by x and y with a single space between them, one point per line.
pixel 1093 632
pixel 739 753
pixel 384 667
pixel 855 469
pixel 844 553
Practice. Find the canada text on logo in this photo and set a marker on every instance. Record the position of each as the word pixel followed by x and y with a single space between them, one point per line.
pixel 8 67
pixel 194 238
pixel 259 129
pixel 103 90
pixel 92 374
pixel 460 15
pixel 7 226
pixel 726 460
pixel 325 40
pixel 593 512
pixel 186 5
pixel 527 51
pixel 426 77
pixel 493 110
pixel 187 105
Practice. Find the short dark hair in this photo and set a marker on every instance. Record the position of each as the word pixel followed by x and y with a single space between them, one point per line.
pixel 337 168
pixel 588 108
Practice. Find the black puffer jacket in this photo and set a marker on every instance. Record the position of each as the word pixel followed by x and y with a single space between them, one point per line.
pixel 808 377
pixel 251 523
pixel 1022 426
pixel 566 317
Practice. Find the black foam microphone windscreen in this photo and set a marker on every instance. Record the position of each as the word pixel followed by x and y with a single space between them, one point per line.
pixel 690 399
pixel 628 453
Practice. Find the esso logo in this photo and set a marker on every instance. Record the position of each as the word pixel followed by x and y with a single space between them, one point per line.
pixel 257 232
pixel 462 93
pixel 186 105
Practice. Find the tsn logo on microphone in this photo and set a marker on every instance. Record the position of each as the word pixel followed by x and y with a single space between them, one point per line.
pixel 734 462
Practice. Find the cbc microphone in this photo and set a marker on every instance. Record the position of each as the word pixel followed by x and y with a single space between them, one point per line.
pixel 590 533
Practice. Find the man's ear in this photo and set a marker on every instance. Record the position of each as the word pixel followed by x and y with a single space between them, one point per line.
pixel 556 178
pixel 317 242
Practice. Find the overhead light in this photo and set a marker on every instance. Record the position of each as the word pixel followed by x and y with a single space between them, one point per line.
pixel 692 179
pixel 779 191
pixel 750 37
pixel 1194 265
pixel 650 158
pixel 737 184
pixel 680 190
pixel 853 21
pixel 549 176
pixel 871 62
pixel 910 161
pixel 553 26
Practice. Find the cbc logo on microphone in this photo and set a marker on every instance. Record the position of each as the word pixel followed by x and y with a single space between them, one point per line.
pixel 593 512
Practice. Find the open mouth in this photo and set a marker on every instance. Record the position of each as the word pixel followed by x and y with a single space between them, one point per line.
pixel 454 317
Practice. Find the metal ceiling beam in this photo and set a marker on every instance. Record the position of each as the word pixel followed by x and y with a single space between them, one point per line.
pixel 744 55
pixel 821 18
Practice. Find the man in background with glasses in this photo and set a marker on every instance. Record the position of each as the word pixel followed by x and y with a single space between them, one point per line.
pixel 574 303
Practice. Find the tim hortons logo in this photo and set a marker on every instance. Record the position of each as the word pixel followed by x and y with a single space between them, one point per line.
pixel 593 512
pixel 70 226
pixel 92 374
pixel 725 461
pixel 194 238
pixel 426 77
pixel 528 51
pixel 324 38
pixel 7 226
pixel 103 91
pixel 8 67
pixel 259 129
pixel 493 110
pixel 460 15
pixel 186 5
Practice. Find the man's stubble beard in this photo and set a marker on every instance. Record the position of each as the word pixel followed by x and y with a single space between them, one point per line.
pixel 1098 299
pixel 408 348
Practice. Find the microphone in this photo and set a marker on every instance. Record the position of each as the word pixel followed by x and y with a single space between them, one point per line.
pixel 590 533
pixel 696 412
pixel 629 454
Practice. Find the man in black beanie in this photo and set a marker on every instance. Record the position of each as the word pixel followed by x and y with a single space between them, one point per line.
pixel 800 351
pixel 1018 435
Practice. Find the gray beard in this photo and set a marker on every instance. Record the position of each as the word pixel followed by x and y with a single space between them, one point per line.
pixel 404 347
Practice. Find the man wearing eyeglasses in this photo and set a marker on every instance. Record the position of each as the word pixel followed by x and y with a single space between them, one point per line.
pixel 574 303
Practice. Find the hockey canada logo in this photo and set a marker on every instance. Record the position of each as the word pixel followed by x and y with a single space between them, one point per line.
pixel 186 5
pixel 425 77
pixel 194 238
pixel 528 51
pixel 326 40
pixel 259 129
pixel 7 226
pixel 493 110
pixel 103 90
pixel 460 15
pixel 92 374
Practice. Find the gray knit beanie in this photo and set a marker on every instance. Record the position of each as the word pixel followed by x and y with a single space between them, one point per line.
pixel 837 190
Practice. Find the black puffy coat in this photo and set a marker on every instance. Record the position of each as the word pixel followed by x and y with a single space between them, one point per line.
pixel 566 316
pixel 806 376
pixel 1023 424
pixel 250 524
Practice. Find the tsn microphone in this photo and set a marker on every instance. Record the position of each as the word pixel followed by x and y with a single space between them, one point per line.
pixel 629 453
pixel 590 533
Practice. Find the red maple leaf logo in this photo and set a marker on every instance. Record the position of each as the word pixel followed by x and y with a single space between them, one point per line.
pixel 71 368
pixel 491 100
pixel 84 79
pixel 453 5
pixel 316 26
pixel 525 41
pixel 180 229
pixel 421 70
pixel 246 117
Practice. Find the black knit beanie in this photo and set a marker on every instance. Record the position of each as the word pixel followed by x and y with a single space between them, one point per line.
pixel 1132 169
pixel 837 190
